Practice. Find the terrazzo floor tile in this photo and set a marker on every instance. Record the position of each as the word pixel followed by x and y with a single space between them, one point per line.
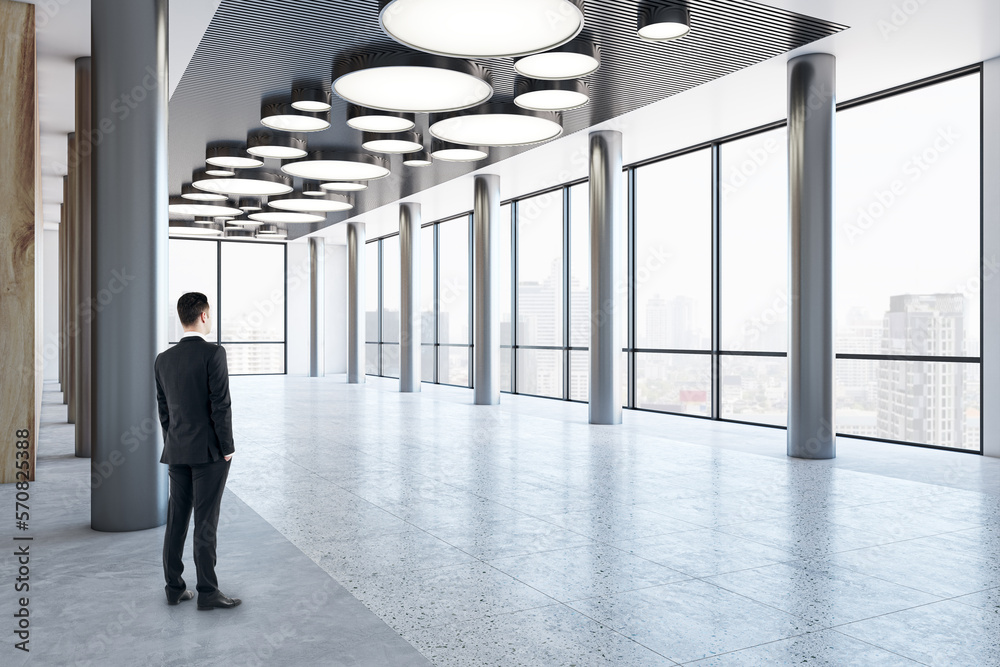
pixel 522 535
pixel 583 572
pixel 822 594
pixel 428 598
pixel 553 636
pixel 988 600
pixel 711 510
pixel 896 522
pixel 826 648
pixel 389 554
pixel 690 620
pixel 941 634
pixel 922 565
pixel 618 523
pixel 805 536
pixel 704 552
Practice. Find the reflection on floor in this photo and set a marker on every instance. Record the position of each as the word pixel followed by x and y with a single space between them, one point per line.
pixel 520 535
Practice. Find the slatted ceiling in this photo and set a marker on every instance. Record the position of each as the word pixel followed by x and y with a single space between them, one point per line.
pixel 257 48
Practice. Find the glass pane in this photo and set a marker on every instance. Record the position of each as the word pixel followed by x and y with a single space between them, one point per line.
pixel 453 365
pixel 929 403
pixel 540 372
pixel 194 267
pixel 255 359
pixel 908 221
pixel 371 359
pixel 579 376
pixel 505 369
pixel 390 361
pixel 755 389
pixel 390 289
pixel 673 275
pixel 253 292
pixel 680 383
pixel 540 270
pixel 754 239
pixel 453 237
pixel 506 269
pixel 579 267
pixel 427 285
pixel 427 363
pixel 371 292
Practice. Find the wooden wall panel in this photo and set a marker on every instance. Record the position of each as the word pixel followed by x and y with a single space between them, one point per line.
pixel 18 164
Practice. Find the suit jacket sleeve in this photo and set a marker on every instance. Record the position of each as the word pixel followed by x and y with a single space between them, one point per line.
pixel 161 401
pixel 218 391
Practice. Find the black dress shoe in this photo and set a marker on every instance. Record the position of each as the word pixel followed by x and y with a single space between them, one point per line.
pixel 220 601
pixel 186 595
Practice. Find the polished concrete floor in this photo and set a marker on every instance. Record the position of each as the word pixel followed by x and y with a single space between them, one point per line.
pixel 520 535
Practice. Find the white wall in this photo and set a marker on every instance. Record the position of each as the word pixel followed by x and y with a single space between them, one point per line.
pixel 50 304
pixel 297 336
pixel 336 308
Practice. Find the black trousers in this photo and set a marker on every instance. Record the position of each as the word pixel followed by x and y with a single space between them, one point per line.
pixel 198 488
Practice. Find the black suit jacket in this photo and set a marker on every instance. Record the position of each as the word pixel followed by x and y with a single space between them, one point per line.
pixel 192 392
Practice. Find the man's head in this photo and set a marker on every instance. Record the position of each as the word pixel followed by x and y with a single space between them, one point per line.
pixel 192 309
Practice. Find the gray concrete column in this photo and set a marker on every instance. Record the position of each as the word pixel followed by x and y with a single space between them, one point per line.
pixel 355 303
pixel 811 120
pixel 605 276
pixel 991 254
pixel 82 375
pixel 317 307
pixel 409 307
pixel 72 269
pixel 129 90
pixel 486 239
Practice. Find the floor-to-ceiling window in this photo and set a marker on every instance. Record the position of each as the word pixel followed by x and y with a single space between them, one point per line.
pixel 753 300
pixel 672 280
pixel 373 309
pixel 245 285
pixel 540 336
pixel 908 266
pixel 454 301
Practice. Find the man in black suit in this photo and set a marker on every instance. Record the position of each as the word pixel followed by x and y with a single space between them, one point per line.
pixel 192 391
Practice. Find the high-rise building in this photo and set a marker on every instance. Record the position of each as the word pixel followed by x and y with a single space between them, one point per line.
pixel 923 401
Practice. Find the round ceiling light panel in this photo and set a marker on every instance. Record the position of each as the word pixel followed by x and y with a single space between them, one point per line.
pixel 329 203
pixel 662 23
pixel 481 28
pixel 209 209
pixel 421 158
pixel 286 217
pixel 395 142
pixel 411 82
pixel 219 172
pixel 336 166
pixel 250 204
pixel 230 155
pixel 502 124
pixel 271 231
pixel 344 187
pixel 313 189
pixel 551 95
pixel 570 61
pixel 263 183
pixel 276 145
pixel 449 152
pixel 188 228
pixel 284 117
pixel 310 99
pixel 188 191
pixel 375 120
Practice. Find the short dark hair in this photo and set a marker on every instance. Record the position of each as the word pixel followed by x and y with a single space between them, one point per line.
pixel 190 307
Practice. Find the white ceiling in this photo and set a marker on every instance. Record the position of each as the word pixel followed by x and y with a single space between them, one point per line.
pixel 885 47
pixel 63 33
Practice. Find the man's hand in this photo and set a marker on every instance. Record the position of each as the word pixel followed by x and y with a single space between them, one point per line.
pixel 229 457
